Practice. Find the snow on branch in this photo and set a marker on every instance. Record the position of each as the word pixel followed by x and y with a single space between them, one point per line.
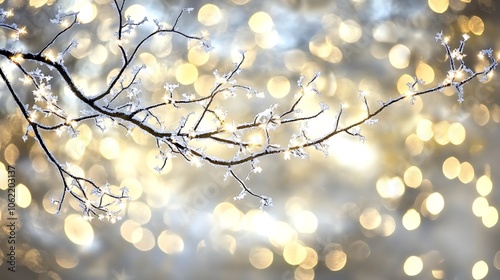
pixel 120 105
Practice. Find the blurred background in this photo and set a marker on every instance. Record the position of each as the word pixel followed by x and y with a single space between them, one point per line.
pixel 416 200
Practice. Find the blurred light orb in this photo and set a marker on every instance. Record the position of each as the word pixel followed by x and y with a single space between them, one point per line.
pixel 75 148
pixel 33 259
pixel 484 185
pixel 139 212
pixel 305 222
pixel 209 15
pixel 463 23
pixel 350 31
pixel 456 133
pixel 35 3
pixel 459 5
pixel 23 196
pixel 294 59
pixel 370 218
pixel 66 260
pixel 352 153
pixel 170 243
pixel 490 217
pixel 240 2
pixel 413 266
pixel 451 168
pixel 434 203
pixel 127 229
pixel 136 12
pixel 425 72
pixel 259 222
pixel 424 130
pixel 392 188
pixel 303 274
pixel 411 219
pixel 136 235
pixel 261 22
pixel 197 56
pixel 358 250
pixel 109 148
pixel 87 11
pixel 399 56
pixel 466 174
pixel 134 187
pixel 261 257
pixel 281 234
pixel 11 154
pixel 294 253
pixel 413 177
pixel 278 86
pixel 481 114
pixel 3 176
pixel 438 6
pixel 480 206
pixel 98 55
pixel 78 230
pixel 311 259
pixel 476 25
pixel 321 47
pixel 479 270
pixel 496 260
pixel 334 56
pixel 225 243
pixel 441 133
pixel 388 226
pixel 267 40
pixel 402 84
pixel 186 73
pixel 204 84
pixel 336 260
pixel 147 242
pixel 385 32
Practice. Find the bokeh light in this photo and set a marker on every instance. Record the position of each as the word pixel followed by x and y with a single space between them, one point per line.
pixel 413 177
pixel 451 167
pixel 411 219
pixel 336 260
pixel 479 270
pixel 170 243
pixel 261 22
pixel 476 25
pixel 392 188
pixel 350 31
pixel 413 265
pixel 87 11
pixel 294 253
pixel 186 73
pixel 305 222
pixel 23 196
pixel 438 6
pixel 370 218
pixel 77 230
pixel 278 86
pixel 484 185
pixel 399 56
pixel 261 257
pixel 434 203
pixel 209 15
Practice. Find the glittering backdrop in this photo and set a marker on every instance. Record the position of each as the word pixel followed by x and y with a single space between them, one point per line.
pixel 417 199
